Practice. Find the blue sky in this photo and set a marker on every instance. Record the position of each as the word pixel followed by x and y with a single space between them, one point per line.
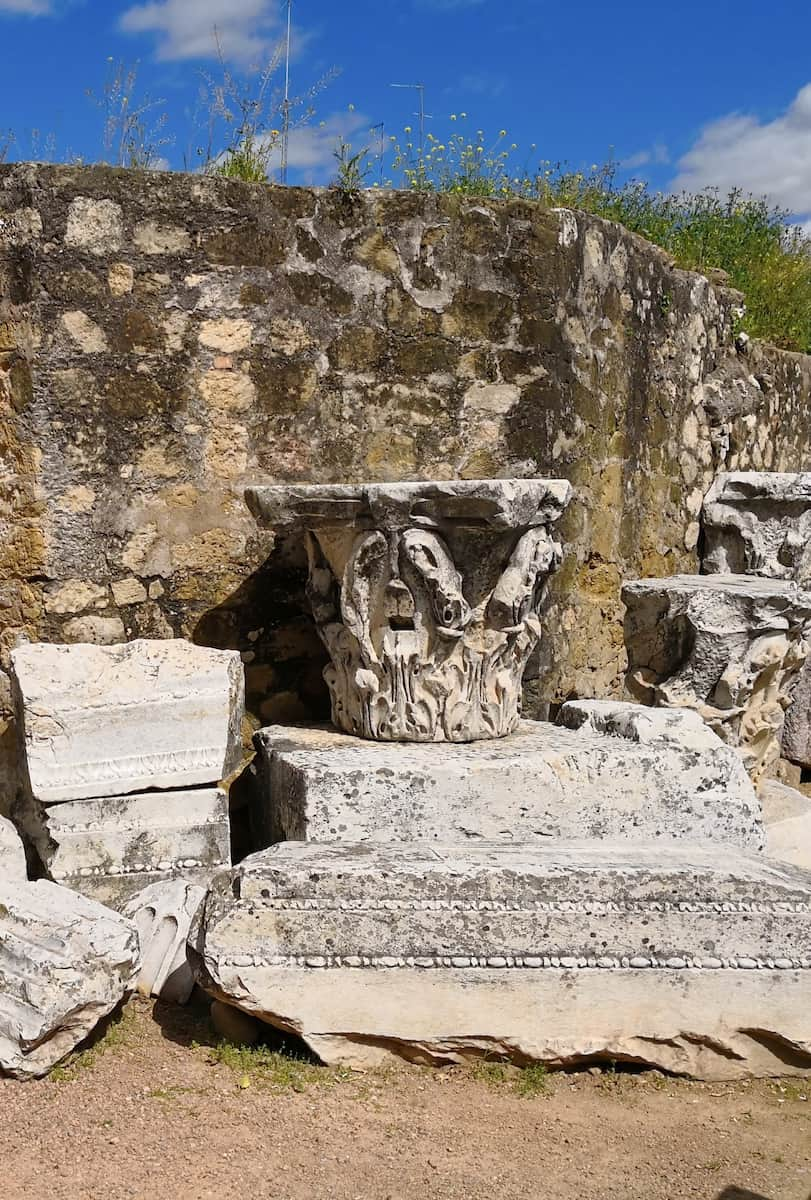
pixel 705 92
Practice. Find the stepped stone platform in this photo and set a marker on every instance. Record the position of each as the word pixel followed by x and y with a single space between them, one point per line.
pixel 675 957
pixel 617 770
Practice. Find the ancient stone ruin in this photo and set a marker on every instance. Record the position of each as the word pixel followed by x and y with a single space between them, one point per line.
pixel 561 811
pixel 553 895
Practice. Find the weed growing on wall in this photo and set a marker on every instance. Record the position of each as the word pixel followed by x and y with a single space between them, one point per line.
pixel 764 254
pixel 134 126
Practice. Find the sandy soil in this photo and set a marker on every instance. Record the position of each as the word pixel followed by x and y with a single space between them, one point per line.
pixel 153 1110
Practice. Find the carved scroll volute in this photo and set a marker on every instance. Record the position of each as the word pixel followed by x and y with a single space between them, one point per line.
pixel 517 594
pixel 434 582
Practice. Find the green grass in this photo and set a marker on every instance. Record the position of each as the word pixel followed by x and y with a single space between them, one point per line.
pixel 529 1081
pixel 280 1071
pixel 532 1081
pixel 118 1033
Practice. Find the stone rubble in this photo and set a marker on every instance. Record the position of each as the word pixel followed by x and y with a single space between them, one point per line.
pixel 124 747
pixel 66 963
pixel 162 914
pixel 728 646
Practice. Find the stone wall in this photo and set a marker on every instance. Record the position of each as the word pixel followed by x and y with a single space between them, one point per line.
pixel 167 339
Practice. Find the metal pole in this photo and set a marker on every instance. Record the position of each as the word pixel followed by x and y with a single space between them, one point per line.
pixel 421 89
pixel 286 101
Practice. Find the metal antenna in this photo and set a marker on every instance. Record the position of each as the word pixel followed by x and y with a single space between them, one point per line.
pixel 419 87
pixel 286 101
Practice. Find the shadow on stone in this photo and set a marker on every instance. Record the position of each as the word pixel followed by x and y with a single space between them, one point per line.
pixel 192 1025
pixel 267 619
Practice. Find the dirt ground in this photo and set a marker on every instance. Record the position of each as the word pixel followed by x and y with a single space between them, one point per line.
pixel 157 1109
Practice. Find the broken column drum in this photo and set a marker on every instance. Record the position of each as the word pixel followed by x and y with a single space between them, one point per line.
pixel 426 596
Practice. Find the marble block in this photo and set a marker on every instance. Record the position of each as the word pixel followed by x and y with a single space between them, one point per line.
pixel 542 782
pixel 106 720
pixel 162 914
pixel 12 854
pixel 728 646
pixel 113 846
pixel 676 957
pixel 759 523
pixel 787 821
pixel 66 963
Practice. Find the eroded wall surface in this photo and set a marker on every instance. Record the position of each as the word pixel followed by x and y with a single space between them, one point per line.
pixel 167 339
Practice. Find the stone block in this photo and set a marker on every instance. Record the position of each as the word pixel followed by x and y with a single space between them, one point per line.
pixel 787 820
pixel 113 846
pixel 542 782
pixel 12 854
pixel 674 957
pixel 66 963
pixel 107 720
pixel 796 740
pixel 728 646
pixel 162 914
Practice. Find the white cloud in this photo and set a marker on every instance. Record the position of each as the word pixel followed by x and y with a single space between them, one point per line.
pixel 33 8
pixel 311 148
pixel 766 158
pixel 656 154
pixel 246 29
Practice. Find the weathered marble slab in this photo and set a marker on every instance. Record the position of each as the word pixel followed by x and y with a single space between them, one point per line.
pixel 65 963
pixel 162 914
pixel 113 846
pixel 787 820
pixel 106 720
pixel 796 740
pixel 677 957
pixel 759 523
pixel 468 503
pixel 12 854
pixel 426 596
pixel 668 777
pixel 728 646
